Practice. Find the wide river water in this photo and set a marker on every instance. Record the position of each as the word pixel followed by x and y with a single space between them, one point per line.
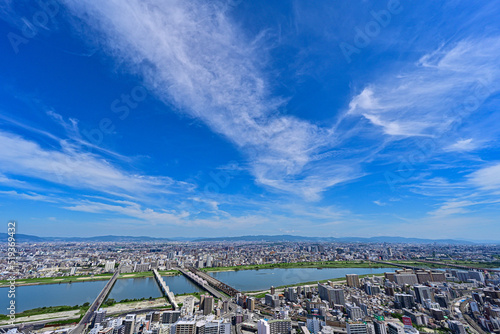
pixel 32 296
pixel 253 280
pixel 29 297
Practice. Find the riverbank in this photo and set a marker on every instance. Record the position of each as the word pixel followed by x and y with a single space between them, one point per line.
pixel 448 264
pixel 77 279
pixel 488 265
pixel 338 280
pixel 73 314
pixel 319 265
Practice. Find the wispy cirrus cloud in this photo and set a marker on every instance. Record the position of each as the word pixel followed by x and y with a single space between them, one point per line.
pixel 194 57
pixel 477 190
pixel 487 178
pixel 442 88
pixel 463 145
pixel 32 196
pixel 76 168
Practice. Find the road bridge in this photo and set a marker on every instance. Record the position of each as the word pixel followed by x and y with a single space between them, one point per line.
pixel 202 283
pixel 87 318
pixel 458 266
pixel 221 286
pixel 404 265
pixel 165 289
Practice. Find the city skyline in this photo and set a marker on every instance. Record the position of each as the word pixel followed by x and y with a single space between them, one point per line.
pixel 184 118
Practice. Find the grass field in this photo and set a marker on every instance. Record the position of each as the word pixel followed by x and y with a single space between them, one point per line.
pixel 326 264
pixel 338 279
pixel 494 264
pixel 74 279
pixel 417 264
pixel 49 309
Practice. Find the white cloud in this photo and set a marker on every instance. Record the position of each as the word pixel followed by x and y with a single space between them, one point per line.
pixel 149 216
pixel 487 178
pixel 192 56
pixel 379 203
pixel 463 145
pixel 425 99
pixel 29 196
pixel 71 167
pixel 452 207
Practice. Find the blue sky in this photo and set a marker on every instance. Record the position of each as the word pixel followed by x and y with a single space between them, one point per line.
pixel 195 118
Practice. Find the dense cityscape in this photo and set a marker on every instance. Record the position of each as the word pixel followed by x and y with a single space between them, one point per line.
pixel 429 288
pixel 249 167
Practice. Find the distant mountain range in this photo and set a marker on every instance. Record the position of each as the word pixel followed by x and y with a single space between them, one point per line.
pixel 104 238
pixel 248 238
pixel 276 238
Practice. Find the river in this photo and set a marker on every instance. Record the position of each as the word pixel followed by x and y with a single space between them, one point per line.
pixel 253 280
pixel 33 296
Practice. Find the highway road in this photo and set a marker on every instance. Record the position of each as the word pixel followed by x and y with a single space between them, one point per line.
pixel 80 328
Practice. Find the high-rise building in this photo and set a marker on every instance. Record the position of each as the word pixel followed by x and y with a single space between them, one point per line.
pixel 139 267
pixel 184 327
pixel 272 300
pixel 209 261
pixel 292 294
pixel 442 300
pixel 313 325
pixel 394 328
pixel 390 276
pixel 225 306
pixel 368 288
pixel 423 276
pixel 280 326
pixel 352 280
pixel 225 328
pixel 188 305
pixel 437 314
pixel 208 305
pixel 456 327
pixel 477 297
pixel 170 317
pixel 406 279
pixel 403 300
pixel 120 329
pixel 332 295
pixel 380 327
pixel 389 251
pixel 263 327
pixel 477 275
pixel 422 293
pixel 355 312
pixel 438 277
pixel 251 304
pixel 356 327
pixel 129 323
pixel 109 266
pixel 99 316
pixel 463 276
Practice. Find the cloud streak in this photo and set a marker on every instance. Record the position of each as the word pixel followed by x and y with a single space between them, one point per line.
pixel 428 98
pixel 194 57
pixel 72 167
